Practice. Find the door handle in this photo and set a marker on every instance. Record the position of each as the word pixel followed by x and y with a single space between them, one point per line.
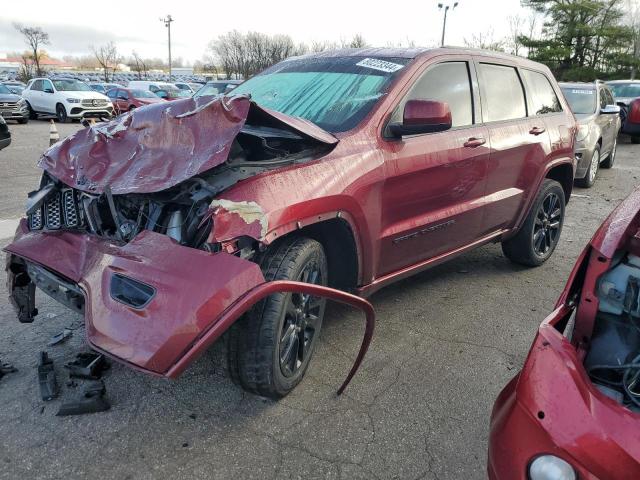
pixel 474 142
pixel 536 131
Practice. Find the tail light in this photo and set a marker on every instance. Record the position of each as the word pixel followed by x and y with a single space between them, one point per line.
pixel 634 111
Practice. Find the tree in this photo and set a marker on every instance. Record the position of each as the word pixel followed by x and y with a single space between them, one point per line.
pixel 139 66
pixel 515 33
pixel 35 38
pixel 358 41
pixel 244 55
pixel 485 41
pixel 582 39
pixel 108 59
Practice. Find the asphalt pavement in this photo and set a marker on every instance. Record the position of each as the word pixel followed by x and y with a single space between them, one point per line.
pixel 446 342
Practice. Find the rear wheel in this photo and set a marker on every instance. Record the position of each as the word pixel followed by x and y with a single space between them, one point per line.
pixel 592 171
pixel 271 346
pixel 608 163
pixel 540 233
pixel 61 113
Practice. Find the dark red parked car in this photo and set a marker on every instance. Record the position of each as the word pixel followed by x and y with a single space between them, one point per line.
pixel 573 411
pixel 350 169
pixel 125 99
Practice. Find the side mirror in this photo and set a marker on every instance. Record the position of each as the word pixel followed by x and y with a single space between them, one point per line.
pixel 610 110
pixel 423 116
pixel 48 90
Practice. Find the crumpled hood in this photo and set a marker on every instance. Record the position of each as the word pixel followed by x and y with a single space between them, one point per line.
pixel 156 147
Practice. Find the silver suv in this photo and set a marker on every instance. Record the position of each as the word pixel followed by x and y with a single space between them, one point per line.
pixel 598 126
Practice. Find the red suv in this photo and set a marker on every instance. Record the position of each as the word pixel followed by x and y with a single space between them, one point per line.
pixel 350 169
pixel 125 99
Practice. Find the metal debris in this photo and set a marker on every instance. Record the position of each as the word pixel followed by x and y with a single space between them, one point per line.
pixel 87 365
pixel 91 400
pixel 47 378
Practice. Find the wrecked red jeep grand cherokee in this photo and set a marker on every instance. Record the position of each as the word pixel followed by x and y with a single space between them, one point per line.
pixel 348 169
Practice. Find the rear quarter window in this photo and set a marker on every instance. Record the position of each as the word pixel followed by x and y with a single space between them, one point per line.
pixel 542 97
pixel 502 93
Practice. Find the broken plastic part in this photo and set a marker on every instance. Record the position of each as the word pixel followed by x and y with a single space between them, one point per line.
pixel 47 378
pixel 87 365
pixel 90 401
pixel 60 337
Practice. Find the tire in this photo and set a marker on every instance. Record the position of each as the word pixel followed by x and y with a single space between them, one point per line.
pixel 32 113
pixel 611 159
pixel 61 113
pixel 263 343
pixel 23 121
pixel 525 247
pixel 590 176
pixel 635 140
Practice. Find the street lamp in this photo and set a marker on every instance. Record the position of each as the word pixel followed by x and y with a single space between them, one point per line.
pixel 167 23
pixel 444 22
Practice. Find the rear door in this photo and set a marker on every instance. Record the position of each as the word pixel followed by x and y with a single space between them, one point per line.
pixel 519 139
pixel 434 181
pixel 48 97
pixel 35 95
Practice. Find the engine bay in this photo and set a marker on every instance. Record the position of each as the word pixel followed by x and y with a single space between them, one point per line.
pixel 181 212
pixel 613 360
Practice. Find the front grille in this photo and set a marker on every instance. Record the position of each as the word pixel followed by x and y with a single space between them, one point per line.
pixel 96 102
pixel 59 210
pixel 8 106
pixel 70 208
pixel 53 212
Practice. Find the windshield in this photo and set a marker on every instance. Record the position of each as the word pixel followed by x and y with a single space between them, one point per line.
pixel 621 90
pixel 580 100
pixel 71 86
pixel 335 93
pixel 142 94
pixel 211 89
pixel 4 89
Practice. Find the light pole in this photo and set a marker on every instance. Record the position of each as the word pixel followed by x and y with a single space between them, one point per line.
pixel 444 21
pixel 167 23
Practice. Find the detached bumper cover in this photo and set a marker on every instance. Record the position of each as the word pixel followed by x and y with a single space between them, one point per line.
pixel 192 287
pixel 551 407
pixel 193 296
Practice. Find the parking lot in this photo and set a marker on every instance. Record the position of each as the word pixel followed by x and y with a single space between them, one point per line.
pixel 446 342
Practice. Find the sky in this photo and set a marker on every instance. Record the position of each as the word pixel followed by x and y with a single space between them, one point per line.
pixel 74 26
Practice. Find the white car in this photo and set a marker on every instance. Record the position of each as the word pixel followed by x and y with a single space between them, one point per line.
pixel 67 98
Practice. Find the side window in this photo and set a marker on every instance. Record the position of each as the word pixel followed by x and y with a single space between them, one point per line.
pixel 37 85
pixel 153 88
pixel 603 98
pixel 445 82
pixel 610 100
pixel 122 94
pixel 46 84
pixel 112 93
pixel 502 94
pixel 542 97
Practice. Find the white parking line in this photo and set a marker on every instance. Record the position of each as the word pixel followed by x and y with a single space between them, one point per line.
pixel 8 227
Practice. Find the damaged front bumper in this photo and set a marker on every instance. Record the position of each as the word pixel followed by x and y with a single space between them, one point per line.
pixel 151 303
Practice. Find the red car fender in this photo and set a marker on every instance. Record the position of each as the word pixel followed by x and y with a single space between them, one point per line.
pixel 263 290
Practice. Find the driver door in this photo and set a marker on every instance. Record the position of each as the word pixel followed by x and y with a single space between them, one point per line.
pixel 432 200
pixel 48 97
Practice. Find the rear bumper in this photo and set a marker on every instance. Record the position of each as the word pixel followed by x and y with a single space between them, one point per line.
pixel 551 407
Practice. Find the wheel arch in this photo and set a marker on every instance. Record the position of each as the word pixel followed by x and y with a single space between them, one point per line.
pixel 563 174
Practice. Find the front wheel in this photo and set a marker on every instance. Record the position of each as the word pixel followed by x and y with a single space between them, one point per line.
pixel 590 177
pixel 608 163
pixel 540 233
pixel 32 113
pixel 271 346
pixel 61 113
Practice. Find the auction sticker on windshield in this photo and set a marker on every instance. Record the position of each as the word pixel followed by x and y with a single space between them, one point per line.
pixel 381 65
pixel 583 92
